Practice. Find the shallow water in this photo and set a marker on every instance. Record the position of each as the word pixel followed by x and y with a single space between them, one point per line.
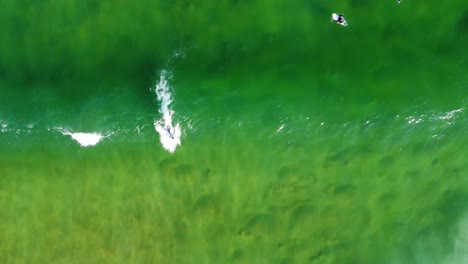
pixel 294 148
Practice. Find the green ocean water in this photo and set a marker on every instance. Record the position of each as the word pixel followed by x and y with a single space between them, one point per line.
pixel 302 141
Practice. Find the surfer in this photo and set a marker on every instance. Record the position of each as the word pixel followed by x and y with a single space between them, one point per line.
pixel 171 134
pixel 339 19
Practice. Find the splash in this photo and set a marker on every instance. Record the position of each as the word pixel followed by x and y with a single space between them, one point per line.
pixel 169 134
pixel 3 127
pixel 450 114
pixel 84 139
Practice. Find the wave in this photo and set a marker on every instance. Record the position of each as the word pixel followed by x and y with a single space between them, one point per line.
pixel 424 123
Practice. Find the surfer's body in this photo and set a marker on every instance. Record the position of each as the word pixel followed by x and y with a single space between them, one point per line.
pixel 339 19
pixel 169 132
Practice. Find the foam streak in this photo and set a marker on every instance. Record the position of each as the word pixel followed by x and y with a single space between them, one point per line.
pixel 169 133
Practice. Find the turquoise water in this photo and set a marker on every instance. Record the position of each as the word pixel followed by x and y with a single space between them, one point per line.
pixel 301 141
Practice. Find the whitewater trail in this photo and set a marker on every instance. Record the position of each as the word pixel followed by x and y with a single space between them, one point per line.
pixel 170 134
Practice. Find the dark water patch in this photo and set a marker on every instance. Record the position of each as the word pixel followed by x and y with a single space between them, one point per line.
pixel 395 228
pixel 341 157
pixel 452 172
pixel 362 219
pixel 180 230
pixel 227 52
pixel 317 256
pixel 359 3
pixel 432 187
pixel 305 251
pixel 287 72
pixel 453 203
pixel 184 172
pixel 286 261
pixel 142 33
pixel 237 256
pixel 317 8
pixel 206 174
pixel 462 23
pixel 304 216
pixel 422 147
pixel 260 225
pixel 343 252
pixel 386 199
pixel 207 205
pixel 345 189
pixel 384 73
pixel 332 218
pixel 413 174
pixel 286 172
pixel 281 190
pixel 387 162
pixel 167 167
pixel 290 187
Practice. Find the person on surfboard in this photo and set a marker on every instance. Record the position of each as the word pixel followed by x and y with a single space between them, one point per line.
pixel 171 134
pixel 339 19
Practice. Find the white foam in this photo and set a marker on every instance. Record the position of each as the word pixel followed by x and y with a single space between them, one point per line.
pixel 415 120
pixel 280 128
pixel 169 139
pixel 4 127
pixel 84 139
pixel 451 114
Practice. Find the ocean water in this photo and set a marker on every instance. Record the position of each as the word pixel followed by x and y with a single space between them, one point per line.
pixel 234 132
